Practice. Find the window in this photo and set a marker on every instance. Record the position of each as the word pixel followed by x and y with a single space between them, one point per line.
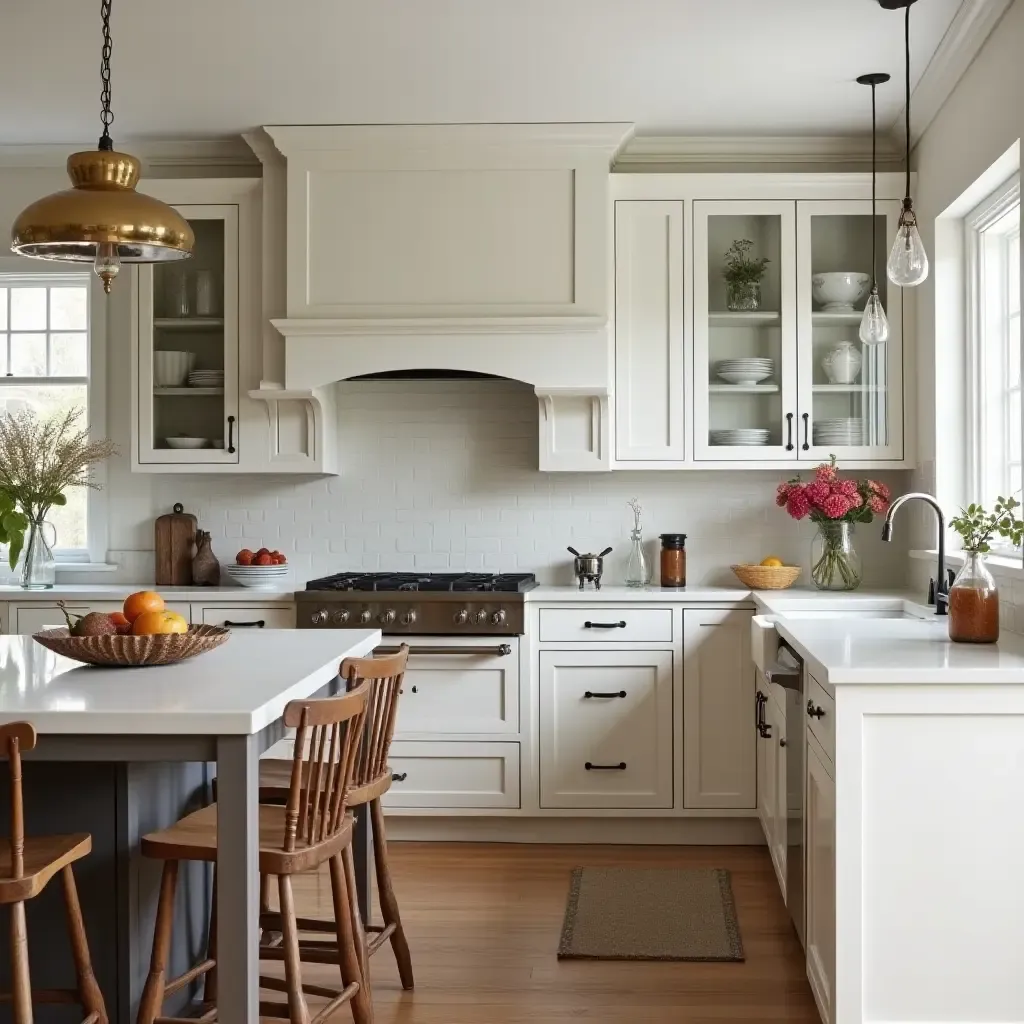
pixel 44 365
pixel 993 263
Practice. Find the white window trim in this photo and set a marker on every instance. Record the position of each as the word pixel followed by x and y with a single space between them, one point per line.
pixel 37 271
pixel 988 213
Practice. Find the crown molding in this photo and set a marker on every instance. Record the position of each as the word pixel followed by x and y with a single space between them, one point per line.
pixel 666 150
pixel 230 151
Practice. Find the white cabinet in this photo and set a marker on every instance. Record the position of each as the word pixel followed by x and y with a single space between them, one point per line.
pixel 820 940
pixel 247 616
pixel 772 795
pixel 600 623
pixel 719 749
pixel 36 615
pixel 650 400
pixel 606 729
pixel 454 775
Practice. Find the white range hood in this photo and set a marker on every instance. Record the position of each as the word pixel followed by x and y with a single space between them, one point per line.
pixel 481 248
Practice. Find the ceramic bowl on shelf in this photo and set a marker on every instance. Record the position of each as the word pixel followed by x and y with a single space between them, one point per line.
pixel 842 364
pixel 840 291
pixel 745 371
pixel 257 576
pixel 170 369
pixel 187 442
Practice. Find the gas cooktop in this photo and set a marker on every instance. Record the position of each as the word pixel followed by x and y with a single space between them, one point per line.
pixel 466 582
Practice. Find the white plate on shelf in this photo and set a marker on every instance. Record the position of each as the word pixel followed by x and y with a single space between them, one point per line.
pixel 187 442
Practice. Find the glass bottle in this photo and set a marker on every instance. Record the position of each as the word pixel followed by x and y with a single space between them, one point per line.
pixel 638 568
pixel 673 559
pixel 38 566
pixel 974 603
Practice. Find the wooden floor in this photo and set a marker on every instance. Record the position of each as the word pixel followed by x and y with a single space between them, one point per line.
pixel 483 922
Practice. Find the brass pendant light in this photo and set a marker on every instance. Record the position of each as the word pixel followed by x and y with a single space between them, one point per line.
pixel 102 219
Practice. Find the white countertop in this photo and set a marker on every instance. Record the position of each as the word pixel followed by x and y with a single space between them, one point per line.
pixel 239 688
pixel 629 595
pixel 119 591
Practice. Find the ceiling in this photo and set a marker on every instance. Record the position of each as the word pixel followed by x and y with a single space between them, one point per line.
pixel 205 68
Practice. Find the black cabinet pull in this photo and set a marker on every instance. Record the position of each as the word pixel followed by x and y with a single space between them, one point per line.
pixel 814 711
pixel 399 777
pixel 620 767
pixel 789 431
pixel 414 690
pixel 255 624
pixel 807 420
pixel 231 435
pixel 782 742
pixel 589 695
pixel 604 625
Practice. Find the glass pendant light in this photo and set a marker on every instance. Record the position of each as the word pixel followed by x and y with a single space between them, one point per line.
pixel 874 326
pixel 908 261
pixel 102 219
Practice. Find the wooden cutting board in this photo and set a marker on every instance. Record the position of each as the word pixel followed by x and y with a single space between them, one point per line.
pixel 175 543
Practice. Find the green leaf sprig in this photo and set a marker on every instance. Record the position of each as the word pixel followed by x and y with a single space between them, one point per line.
pixel 977 527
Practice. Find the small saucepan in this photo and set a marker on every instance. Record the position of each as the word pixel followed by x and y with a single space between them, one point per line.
pixel 588 568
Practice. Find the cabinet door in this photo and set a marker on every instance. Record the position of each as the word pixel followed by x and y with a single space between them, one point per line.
pixel 606 729
pixel 821 879
pixel 749 414
pixel 187 316
pixel 649 365
pixel 778 839
pixel 719 739
pixel 767 800
pixel 247 616
pixel 851 394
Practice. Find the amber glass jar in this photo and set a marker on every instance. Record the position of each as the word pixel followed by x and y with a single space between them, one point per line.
pixel 673 559
pixel 974 604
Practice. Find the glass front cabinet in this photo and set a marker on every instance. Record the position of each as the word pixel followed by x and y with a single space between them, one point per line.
pixel 769 309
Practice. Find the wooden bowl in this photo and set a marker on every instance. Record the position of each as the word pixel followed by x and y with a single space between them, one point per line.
pixel 768 577
pixel 126 651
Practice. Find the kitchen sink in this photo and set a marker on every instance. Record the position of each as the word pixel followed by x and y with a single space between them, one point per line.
pixel 856 613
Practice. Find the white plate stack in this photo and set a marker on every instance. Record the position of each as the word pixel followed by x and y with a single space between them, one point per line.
pixel 743 437
pixel 847 432
pixel 747 371
pixel 206 378
pixel 259 576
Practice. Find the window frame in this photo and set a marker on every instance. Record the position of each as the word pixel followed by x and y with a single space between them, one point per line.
pixel 986 265
pixel 17 270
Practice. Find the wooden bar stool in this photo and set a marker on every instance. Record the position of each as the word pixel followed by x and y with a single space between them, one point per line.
pixel 371 779
pixel 313 827
pixel 26 866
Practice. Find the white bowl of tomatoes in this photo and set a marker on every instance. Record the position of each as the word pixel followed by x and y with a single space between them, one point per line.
pixel 262 569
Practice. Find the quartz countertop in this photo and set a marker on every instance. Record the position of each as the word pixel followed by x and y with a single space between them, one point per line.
pixel 645 595
pixel 119 591
pixel 238 688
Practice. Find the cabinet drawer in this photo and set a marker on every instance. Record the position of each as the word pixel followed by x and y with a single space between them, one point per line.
pixel 823 726
pixel 30 618
pixel 599 624
pixel 249 616
pixel 454 775
pixel 606 729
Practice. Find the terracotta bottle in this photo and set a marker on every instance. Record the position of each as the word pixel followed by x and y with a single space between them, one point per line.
pixel 205 567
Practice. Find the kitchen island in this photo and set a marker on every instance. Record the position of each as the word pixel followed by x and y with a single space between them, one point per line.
pixel 914 828
pixel 125 751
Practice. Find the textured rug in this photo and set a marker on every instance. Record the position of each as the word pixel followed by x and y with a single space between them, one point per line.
pixel 650 914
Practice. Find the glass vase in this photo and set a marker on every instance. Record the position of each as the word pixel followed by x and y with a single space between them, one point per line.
pixel 743 296
pixel 974 603
pixel 835 564
pixel 638 569
pixel 38 566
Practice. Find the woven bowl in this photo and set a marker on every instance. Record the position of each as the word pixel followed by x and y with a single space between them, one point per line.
pixel 124 651
pixel 768 577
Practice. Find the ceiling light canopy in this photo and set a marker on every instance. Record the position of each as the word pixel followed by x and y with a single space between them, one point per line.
pixel 101 219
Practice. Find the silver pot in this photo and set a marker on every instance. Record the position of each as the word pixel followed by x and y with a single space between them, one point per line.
pixel 588 568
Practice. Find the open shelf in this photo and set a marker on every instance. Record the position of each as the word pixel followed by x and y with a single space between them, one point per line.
pixel 757 318
pixel 848 389
pixel 744 389
pixel 838 319
pixel 188 323
pixel 191 392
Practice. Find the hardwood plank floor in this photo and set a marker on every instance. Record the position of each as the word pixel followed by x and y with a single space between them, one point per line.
pixel 484 920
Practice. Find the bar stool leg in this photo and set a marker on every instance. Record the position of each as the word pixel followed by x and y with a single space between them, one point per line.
pixel 348 950
pixel 349 862
pixel 88 988
pixel 153 994
pixel 297 1008
pixel 210 982
pixel 21 983
pixel 386 894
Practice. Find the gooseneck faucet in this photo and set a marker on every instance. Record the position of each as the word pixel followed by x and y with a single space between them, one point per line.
pixel 939 593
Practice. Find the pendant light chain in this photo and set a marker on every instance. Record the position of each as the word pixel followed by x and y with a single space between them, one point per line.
pixel 106 116
pixel 906 39
pixel 874 189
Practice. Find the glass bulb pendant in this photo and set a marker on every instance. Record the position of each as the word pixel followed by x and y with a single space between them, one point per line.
pixel 908 262
pixel 874 325
pixel 107 264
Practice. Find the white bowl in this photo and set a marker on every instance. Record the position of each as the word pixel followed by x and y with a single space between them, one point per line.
pixel 170 369
pixel 839 292
pixel 187 442
pixel 752 376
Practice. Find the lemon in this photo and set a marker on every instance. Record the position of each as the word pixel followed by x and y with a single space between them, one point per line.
pixel 772 562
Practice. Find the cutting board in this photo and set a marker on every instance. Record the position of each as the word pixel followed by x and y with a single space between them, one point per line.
pixel 175 542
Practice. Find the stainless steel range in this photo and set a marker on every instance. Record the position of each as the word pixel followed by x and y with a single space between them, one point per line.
pixel 422 604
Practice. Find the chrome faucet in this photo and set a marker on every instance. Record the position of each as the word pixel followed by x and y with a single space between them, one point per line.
pixel 938 593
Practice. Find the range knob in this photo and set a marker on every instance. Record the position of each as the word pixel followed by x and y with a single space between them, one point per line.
pixel 461 617
pixel 408 618
pixel 498 617
pixel 340 617
pixel 319 617
pixel 365 615
pixel 480 617
pixel 386 617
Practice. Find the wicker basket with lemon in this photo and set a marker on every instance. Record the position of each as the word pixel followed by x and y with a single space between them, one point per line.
pixel 770 574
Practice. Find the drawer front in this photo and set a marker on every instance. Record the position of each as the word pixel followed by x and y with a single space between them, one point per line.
pixel 606 729
pixel 459 694
pixel 30 618
pixel 249 616
pixel 823 726
pixel 600 624
pixel 454 775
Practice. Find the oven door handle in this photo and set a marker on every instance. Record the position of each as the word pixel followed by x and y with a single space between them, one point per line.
pixel 496 651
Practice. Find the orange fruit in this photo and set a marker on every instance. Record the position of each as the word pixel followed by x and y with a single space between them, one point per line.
pixel 120 620
pixel 142 601
pixel 149 623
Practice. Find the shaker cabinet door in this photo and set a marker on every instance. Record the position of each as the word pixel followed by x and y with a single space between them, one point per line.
pixel 821 879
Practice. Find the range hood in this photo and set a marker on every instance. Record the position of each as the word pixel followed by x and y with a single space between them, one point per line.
pixel 480 249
